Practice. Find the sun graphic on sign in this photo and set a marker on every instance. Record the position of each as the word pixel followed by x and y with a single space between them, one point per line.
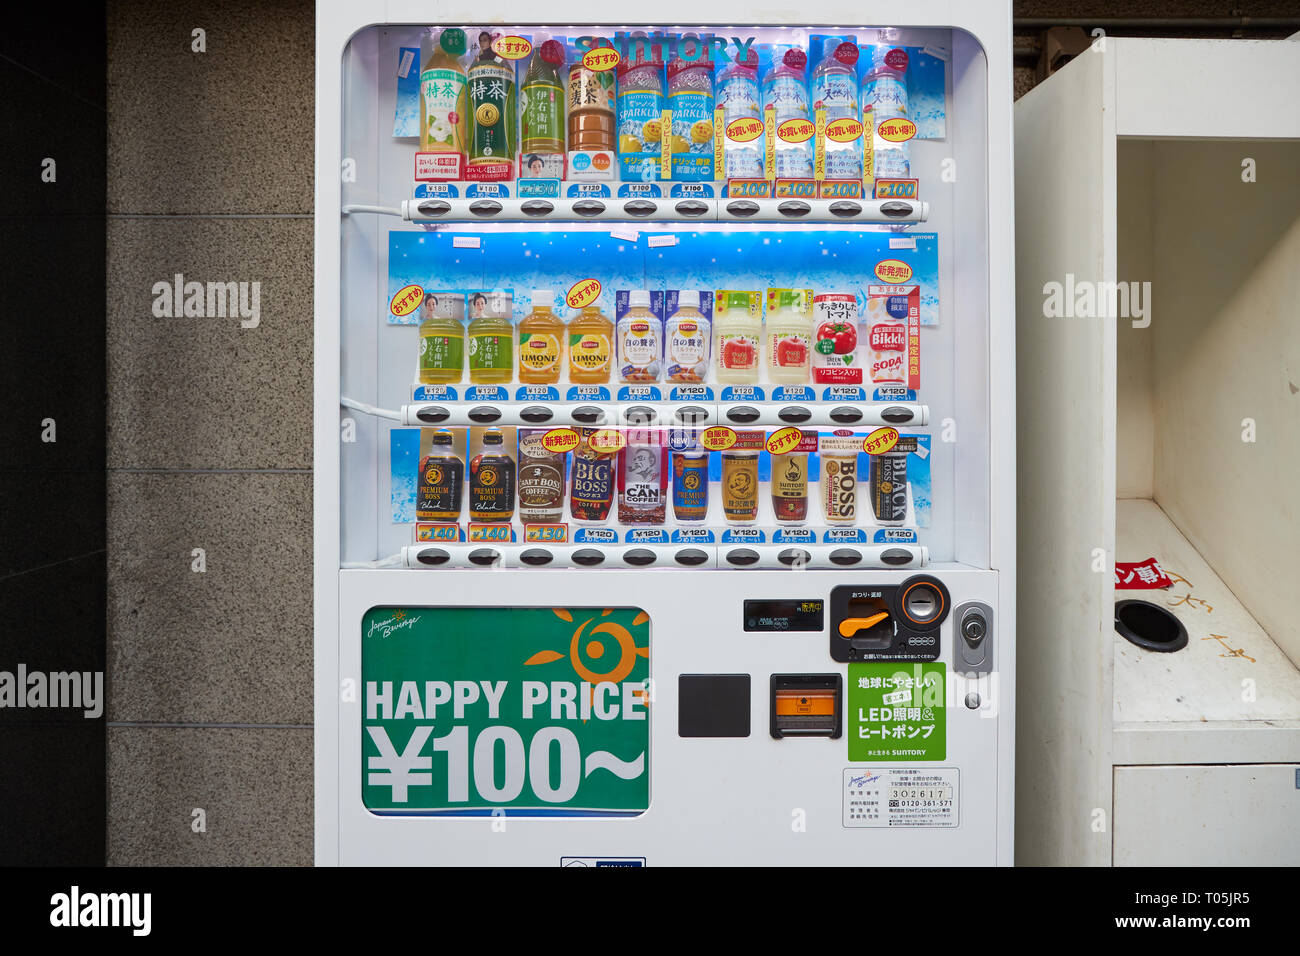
pixel 592 644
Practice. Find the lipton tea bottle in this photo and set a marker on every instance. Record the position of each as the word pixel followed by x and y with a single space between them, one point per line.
pixel 591 485
pixel 640 340
pixel 686 341
pixel 541 479
pixel 541 342
pixel 591 347
pixel 441 481
pixel 643 478
pixel 443 96
pixel 492 480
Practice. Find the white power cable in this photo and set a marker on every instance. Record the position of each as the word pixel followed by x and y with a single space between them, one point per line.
pixel 370 409
pixel 377 210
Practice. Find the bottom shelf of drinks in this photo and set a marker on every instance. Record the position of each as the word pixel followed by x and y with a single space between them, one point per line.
pixel 601 487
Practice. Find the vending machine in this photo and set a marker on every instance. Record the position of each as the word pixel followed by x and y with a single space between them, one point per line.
pixel 664 429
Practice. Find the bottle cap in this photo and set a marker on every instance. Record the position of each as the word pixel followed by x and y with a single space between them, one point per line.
pixel 492 437
pixel 638 298
pixel 442 437
pixel 543 297
pixel 688 299
pixel 552 52
pixel 453 41
pixel 847 53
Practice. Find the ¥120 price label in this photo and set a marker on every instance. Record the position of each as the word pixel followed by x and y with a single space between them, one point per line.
pixel 482 709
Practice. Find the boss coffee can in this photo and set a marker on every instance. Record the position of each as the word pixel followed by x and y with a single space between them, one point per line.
pixel 888 488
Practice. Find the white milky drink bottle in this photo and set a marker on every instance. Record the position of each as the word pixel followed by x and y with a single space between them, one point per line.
pixel 687 341
pixel 640 340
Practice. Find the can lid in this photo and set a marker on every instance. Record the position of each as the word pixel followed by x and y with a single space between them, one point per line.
pixel 639 298
pixel 453 41
pixel 688 299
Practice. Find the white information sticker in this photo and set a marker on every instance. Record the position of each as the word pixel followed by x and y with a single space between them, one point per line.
pixel 901 797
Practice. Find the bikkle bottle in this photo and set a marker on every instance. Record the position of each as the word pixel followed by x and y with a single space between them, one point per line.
pixel 492 480
pixel 441 481
pixel 643 478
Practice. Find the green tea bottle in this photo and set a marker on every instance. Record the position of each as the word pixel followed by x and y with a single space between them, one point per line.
pixel 542 103
pixel 443 96
pixel 492 110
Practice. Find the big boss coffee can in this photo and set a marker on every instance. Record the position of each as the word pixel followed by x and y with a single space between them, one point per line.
pixel 888 488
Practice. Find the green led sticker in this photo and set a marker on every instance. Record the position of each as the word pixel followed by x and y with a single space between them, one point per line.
pixel 896 712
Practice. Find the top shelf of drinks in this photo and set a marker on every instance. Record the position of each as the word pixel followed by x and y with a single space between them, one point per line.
pixel 571 116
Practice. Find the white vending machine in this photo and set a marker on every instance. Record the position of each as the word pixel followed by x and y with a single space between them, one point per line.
pixel 665 435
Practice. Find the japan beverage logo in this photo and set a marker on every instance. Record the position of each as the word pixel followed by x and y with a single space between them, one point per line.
pixel 888 338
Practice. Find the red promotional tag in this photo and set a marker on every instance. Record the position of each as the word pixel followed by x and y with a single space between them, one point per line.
pixel 1141 575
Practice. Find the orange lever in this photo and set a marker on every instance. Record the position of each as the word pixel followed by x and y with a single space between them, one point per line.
pixel 851 625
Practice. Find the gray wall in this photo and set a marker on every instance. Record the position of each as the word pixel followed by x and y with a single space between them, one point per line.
pixel 209 435
pixel 209 440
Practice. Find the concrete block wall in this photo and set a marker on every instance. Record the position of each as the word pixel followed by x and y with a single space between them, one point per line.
pixel 209 434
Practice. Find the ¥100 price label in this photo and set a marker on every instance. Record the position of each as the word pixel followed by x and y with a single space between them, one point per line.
pixel 482 709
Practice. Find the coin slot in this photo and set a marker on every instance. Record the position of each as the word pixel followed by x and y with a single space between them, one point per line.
pixel 1149 626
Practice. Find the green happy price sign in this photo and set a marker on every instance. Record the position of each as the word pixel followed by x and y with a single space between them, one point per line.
pixel 470 710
